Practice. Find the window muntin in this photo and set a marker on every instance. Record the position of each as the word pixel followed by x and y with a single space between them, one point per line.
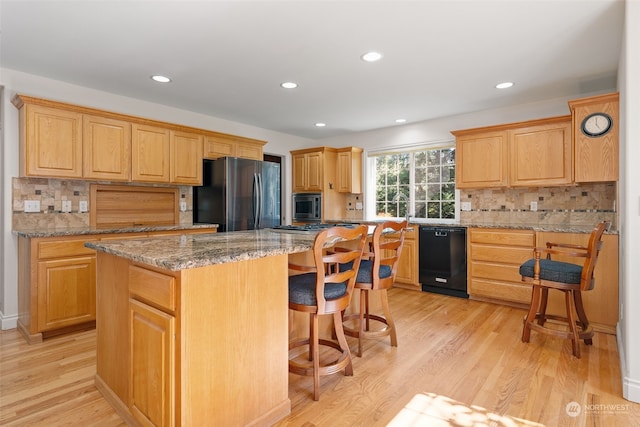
pixel 420 182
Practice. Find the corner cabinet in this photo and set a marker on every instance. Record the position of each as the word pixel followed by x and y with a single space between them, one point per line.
pixel 532 153
pixel 596 157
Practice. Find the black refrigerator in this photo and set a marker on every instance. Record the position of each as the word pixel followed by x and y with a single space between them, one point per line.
pixel 238 194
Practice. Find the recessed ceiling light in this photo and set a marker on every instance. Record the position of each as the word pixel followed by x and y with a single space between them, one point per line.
pixel 504 85
pixel 320 124
pixel 371 56
pixel 401 120
pixel 289 85
pixel 161 79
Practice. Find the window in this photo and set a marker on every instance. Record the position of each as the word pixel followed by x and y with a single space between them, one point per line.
pixel 421 183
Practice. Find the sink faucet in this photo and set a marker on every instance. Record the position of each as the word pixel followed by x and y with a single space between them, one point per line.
pixel 401 196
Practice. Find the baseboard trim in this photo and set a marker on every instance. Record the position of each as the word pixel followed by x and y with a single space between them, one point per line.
pixel 8 322
pixel 630 386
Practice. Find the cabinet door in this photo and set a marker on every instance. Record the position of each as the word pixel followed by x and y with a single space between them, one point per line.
pixel 150 153
pixel 344 172
pixel 408 264
pixel 53 142
pixel 186 158
pixel 541 155
pixel 152 355
pixel 481 160
pixel 106 148
pixel 217 146
pixel 299 172
pixel 249 151
pixel 314 171
pixel 66 292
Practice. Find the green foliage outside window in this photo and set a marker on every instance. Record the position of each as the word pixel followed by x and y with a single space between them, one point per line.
pixel 422 183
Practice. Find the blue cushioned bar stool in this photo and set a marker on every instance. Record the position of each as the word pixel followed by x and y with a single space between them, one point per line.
pixel 569 278
pixel 325 289
pixel 377 273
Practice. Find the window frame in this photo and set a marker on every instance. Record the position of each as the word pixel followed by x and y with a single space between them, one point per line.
pixel 370 190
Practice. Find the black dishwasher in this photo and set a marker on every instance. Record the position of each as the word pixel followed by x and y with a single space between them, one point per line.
pixel 443 260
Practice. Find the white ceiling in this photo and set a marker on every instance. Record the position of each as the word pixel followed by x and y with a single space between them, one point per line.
pixel 227 58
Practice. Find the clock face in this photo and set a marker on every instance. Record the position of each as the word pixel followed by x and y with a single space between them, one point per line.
pixel 596 124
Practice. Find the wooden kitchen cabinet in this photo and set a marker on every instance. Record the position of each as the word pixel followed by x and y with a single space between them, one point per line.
pixel 308 172
pixel 541 154
pixel 50 141
pixel 186 158
pixel 601 303
pixel 531 153
pixel 57 281
pixel 152 354
pixel 350 170
pixel 481 159
pixel 220 145
pixel 494 259
pixel 106 148
pixel 150 153
pixel 596 158
pixel 407 275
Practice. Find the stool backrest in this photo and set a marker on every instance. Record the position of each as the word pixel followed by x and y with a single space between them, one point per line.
pixel 328 263
pixel 386 250
pixel 587 281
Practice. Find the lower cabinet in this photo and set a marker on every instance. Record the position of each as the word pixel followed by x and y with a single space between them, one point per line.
pixel 407 274
pixel 495 256
pixel 57 281
pixel 152 354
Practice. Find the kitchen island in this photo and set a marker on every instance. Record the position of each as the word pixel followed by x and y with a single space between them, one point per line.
pixel 193 330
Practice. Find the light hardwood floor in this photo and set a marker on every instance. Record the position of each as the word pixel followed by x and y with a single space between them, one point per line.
pixel 456 361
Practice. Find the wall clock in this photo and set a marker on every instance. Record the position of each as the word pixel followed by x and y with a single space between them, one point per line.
pixel 596 124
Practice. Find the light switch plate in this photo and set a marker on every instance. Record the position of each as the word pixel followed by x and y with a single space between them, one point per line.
pixel 32 205
pixel 183 206
pixel 83 206
pixel 66 206
pixel 465 206
pixel 534 206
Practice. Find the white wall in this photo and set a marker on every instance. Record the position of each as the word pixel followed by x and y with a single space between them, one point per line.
pixel 628 332
pixel 27 84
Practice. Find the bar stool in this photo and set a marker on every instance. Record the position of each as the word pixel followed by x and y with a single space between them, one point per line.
pixel 569 278
pixel 377 273
pixel 325 289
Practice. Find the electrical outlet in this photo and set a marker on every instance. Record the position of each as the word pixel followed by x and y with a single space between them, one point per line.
pixel 183 206
pixel 83 206
pixel 465 206
pixel 534 206
pixel 32 205
pixel 66 206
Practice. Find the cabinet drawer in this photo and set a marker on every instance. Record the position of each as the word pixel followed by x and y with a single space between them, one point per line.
pixel 509 273
pixel 152 286
pixel 500 254
pixel 63 248
pixel 503 291
pixel 503 237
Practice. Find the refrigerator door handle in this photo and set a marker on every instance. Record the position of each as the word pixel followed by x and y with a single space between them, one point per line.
pixel 254 207
pixel 260 198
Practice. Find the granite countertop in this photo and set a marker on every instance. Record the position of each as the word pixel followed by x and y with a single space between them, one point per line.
pixel 72 231
pixel 192 251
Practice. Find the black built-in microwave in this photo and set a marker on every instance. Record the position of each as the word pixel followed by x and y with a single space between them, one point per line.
pixel 307 207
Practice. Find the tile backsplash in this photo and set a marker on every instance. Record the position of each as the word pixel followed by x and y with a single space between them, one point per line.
pixel 578 206
pixel 52 192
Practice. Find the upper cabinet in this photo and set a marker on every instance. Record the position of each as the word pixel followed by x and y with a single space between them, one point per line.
pixel 59 140
pixel 350 170
pixel 540 154
pixel 481 158
pixel 222 145
pixel 308 169
pixel 532 153
pixel 595 122
pixel 106 148
pixel 50 142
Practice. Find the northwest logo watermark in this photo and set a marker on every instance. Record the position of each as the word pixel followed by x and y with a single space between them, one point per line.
pixel 573 409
